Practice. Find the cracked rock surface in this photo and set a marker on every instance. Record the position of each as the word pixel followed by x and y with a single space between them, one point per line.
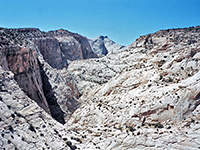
pixel 35 75
pixel 23 124
pixel 145 96
pixel 102 45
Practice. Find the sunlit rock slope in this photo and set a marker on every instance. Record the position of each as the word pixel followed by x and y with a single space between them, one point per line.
pixel 145 96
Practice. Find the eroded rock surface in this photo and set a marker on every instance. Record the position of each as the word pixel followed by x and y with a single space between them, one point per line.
pixel 24 125
pixel 102 45
pixel 20 54
pixel 145 96
pixel 57 47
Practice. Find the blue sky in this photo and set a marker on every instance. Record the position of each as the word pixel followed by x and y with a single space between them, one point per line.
pixel 122 20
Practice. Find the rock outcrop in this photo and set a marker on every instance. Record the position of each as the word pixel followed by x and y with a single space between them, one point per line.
pixel 22 61
pixel 102 45
pixel 59 46
pixel 24 56
pixel 145 96
pixel 73 45
pixel 24 125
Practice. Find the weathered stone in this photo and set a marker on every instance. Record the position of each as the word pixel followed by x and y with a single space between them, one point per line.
pixel 143 97
pixel 102 46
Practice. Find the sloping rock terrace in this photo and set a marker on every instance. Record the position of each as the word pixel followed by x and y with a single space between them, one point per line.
pixel 144 97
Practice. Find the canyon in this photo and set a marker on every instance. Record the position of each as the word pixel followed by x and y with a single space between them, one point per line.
pixel 60 90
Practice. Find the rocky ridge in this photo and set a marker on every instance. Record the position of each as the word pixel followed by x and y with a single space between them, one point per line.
pixel 58 47
pixel 36 67
pixel 33 93
pixel 145 96
pixel 24 125
pixel 102 45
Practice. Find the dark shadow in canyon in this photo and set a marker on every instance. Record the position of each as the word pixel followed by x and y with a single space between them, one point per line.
pixel 55 110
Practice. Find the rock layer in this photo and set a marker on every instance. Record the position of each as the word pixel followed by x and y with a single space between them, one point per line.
pixel 24 125
pixel 145 96
pixel 57 47
pixel 21 55
pixel 102 45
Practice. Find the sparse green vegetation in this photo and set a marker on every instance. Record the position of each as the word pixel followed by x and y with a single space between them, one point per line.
pixel 158 125
pixel 130 128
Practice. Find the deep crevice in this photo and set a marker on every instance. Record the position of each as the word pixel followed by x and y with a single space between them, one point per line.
pixel 197 96
pixel 55 110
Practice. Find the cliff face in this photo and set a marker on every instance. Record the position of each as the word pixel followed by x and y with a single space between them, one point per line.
pixel 20 53
pixel 51 52
pixel 73 46
pixel 59 46
pixel 102 45
pixel 22 61
pixel 146 96
pixel 25 125
pixel 24 64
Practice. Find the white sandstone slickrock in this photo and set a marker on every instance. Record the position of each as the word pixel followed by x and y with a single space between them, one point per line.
pixel 23 123
pixel 151 97
pixel 145 96
pixel 102 45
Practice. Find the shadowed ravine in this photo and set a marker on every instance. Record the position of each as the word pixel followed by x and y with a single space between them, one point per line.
pixel 55 110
